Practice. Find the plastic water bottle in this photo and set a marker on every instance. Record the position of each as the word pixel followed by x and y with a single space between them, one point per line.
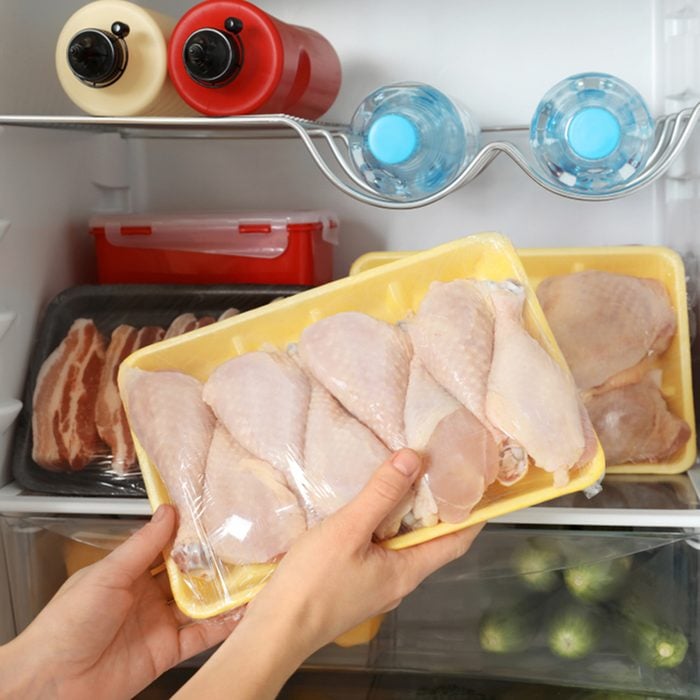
pixel 409 140
pixel 591 133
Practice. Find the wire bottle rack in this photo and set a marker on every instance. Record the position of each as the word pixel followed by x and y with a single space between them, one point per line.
pixel 672 133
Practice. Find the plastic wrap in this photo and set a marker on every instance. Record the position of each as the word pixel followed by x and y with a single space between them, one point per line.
pixel 72 437
pixel 585 609
pixel 648 392
pixel 262 425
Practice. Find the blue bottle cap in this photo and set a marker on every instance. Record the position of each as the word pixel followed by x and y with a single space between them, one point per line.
pixel 593 133
pixel 392 139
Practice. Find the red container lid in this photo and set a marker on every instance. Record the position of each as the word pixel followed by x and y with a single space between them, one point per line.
pixel 254 234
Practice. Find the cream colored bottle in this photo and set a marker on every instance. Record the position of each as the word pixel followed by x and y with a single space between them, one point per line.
pixel 111 59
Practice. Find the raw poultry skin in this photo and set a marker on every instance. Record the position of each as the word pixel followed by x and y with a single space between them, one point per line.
pixel 460 456
pixel 175 427
pixel 530 397
pixel 634 424
pixel 262 398
pixel 632 317
pixel 340 454
pixel 249 514
pixel 364 363
pixel 453 335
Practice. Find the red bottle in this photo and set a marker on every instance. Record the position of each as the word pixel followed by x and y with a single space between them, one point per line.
pixel 228 57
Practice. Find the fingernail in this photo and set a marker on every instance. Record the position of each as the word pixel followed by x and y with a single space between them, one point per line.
pixel 407 462
pixel 159 514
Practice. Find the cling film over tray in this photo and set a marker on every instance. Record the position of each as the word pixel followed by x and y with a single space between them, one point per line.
pixel 259 427
pixel 620 315
pixel 74 438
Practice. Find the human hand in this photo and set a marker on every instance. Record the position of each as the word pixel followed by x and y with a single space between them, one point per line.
pixel 333 578
pixel 111 629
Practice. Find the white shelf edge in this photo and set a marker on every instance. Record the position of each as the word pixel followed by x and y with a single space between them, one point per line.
pixel 14 502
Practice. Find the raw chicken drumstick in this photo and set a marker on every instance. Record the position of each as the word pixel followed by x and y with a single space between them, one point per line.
pixel 530 397
pixel 460 456
pixel 262 398
pixel 249 514
pixel 175 428
pixel 453 335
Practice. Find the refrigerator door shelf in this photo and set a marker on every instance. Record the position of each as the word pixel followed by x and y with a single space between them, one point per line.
pixel 672 134
pixel 626 501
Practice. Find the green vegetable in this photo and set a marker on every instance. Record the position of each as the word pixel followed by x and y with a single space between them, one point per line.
pixel 537 564
pixel 507 630
pixel 655 645
pixel 599 581
pixel 573 632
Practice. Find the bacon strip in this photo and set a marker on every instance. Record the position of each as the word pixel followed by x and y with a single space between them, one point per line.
pixel 65 436
pixel 182 324
pixel 110 417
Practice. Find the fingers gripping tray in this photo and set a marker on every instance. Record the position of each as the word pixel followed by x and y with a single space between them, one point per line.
pixel 390 294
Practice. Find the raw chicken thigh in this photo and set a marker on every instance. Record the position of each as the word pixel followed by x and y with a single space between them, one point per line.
pixel 364 363
pixel 249 513
pixel 460 455
pixel 634 423
pixel 453 334
pixel 530 397
pixel 175 427
pixel 262 398
pixel 607 324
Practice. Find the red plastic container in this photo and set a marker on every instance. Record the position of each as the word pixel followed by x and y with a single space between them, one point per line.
pixel 240 247
pixel 228 57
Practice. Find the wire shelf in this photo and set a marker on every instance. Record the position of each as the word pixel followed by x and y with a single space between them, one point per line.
pixel 672 134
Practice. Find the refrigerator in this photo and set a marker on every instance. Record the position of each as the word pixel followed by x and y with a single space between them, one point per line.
pixel 59 167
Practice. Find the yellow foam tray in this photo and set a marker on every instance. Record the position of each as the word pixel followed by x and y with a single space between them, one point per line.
pixel 655 262
pixel 389 293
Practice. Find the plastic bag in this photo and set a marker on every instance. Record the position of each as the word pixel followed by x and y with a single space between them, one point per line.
pixel 261 426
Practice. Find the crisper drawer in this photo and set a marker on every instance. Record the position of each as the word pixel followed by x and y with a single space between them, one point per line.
pixel 592 609
pixel 589 609
pixel 41 552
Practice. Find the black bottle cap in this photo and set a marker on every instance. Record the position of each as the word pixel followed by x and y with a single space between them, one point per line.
pixel 99 57
pixel 214 57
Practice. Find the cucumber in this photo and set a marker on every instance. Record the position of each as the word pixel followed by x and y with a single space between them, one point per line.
pixel 537 563
pixel 573 632
pixel 599 581
pixel 655 645
pixel 507 630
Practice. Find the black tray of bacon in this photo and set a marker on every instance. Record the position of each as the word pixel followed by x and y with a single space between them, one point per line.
pixel 72 437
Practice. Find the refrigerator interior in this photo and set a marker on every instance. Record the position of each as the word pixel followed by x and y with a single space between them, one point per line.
pixel 497 58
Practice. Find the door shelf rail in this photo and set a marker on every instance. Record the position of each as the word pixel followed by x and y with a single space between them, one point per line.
pixel 672 134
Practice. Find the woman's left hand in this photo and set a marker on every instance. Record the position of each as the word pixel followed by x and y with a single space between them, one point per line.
pixel 110 630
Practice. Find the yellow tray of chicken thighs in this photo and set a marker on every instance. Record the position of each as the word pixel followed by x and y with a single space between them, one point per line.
pixel 651 262
pixel 389 293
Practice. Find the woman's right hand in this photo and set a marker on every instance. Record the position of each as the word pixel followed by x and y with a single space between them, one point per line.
pixel 333 578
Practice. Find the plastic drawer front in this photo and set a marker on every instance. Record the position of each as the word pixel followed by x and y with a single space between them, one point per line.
pixel 42 552
pixel 632 583
pixel 623 577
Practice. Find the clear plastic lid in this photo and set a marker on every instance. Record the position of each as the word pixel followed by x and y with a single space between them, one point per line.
pixel 255 234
